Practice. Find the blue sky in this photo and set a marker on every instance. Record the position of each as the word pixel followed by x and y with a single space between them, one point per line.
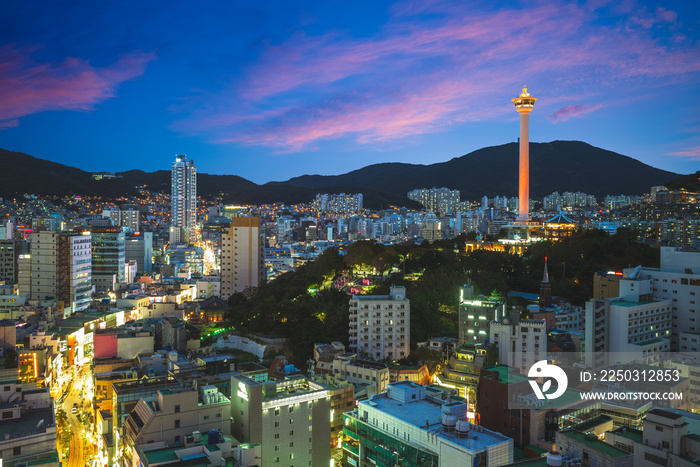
pixel 272 90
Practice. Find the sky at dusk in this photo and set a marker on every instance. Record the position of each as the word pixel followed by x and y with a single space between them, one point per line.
pixel 271 90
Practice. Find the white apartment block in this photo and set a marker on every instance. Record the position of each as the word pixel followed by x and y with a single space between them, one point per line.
pixel 521 343
pixel 414 428
pixel 290 419
pixel 380 325
pixel 631 330
pixel 677 280
pixel 242 258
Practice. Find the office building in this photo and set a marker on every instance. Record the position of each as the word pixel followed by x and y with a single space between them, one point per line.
pixel 242 260
pixel 290 419
pixel 108 257
pixel 676 280
pixel 410 425
pixel 624 330
pixel 183 198
pixel 380 325
pixel 476 315
pixel 139 247
pixel 9 261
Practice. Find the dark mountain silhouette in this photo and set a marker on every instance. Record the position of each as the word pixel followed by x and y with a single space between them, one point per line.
pixel 686 182
pixel 556 166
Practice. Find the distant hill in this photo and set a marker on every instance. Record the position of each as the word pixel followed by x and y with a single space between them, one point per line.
pixel 686 182
pixel 556 166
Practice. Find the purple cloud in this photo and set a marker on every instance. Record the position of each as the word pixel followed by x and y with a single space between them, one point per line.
pixel 418 76
pixel 570 111
pixel 27 87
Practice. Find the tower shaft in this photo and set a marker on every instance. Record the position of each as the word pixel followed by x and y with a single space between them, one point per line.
pixel 524 172
pixel 524 104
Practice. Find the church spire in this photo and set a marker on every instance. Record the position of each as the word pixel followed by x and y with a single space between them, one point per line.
pixel 545 288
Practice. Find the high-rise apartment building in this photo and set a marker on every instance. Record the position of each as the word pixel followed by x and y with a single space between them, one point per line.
pixel 380 325
pixel 128 218
pixel 60 266
pixel 183 198
pixel 242 247
pixel 440 201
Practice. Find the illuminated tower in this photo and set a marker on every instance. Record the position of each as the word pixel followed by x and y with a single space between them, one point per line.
pixel 524 105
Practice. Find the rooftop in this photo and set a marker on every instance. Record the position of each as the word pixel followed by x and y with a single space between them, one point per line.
pixel 592 441
pixel 27 424
pixel 630 433
pixel 627 303
pixel 418 412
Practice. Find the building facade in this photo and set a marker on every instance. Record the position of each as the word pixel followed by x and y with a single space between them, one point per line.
pixel 380 325
pixel 183 198
pixel 242 260
pixel 290 419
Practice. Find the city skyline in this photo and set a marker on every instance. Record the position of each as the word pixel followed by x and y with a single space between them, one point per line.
pixel 269 94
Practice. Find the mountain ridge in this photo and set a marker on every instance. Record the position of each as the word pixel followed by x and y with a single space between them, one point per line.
pixel 554 166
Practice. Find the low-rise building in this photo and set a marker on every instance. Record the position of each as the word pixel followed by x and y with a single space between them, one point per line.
pixel 406 426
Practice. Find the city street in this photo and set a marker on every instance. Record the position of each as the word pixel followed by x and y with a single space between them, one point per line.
pixel 79 451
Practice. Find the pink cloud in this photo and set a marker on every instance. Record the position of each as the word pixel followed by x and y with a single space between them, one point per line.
pixel 297 92
pixel 570 111
pixel 27 87
pixel 690 153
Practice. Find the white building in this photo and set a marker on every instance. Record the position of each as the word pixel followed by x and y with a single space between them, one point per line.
pixel 677 280
pixel 61 268
pixel 380 325
pixel 242 259
pixel 521 343
pixel 183 200
pixel 670 438
pixel 622 330
pixel 406 426
pixel 290 419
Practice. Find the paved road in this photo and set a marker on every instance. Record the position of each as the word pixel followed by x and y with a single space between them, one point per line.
pixel 77 453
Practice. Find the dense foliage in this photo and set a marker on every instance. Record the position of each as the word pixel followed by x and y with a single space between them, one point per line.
pixel 306 307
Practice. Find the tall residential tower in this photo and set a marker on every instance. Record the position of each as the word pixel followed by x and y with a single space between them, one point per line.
pixel 183 220
pixel 524 105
